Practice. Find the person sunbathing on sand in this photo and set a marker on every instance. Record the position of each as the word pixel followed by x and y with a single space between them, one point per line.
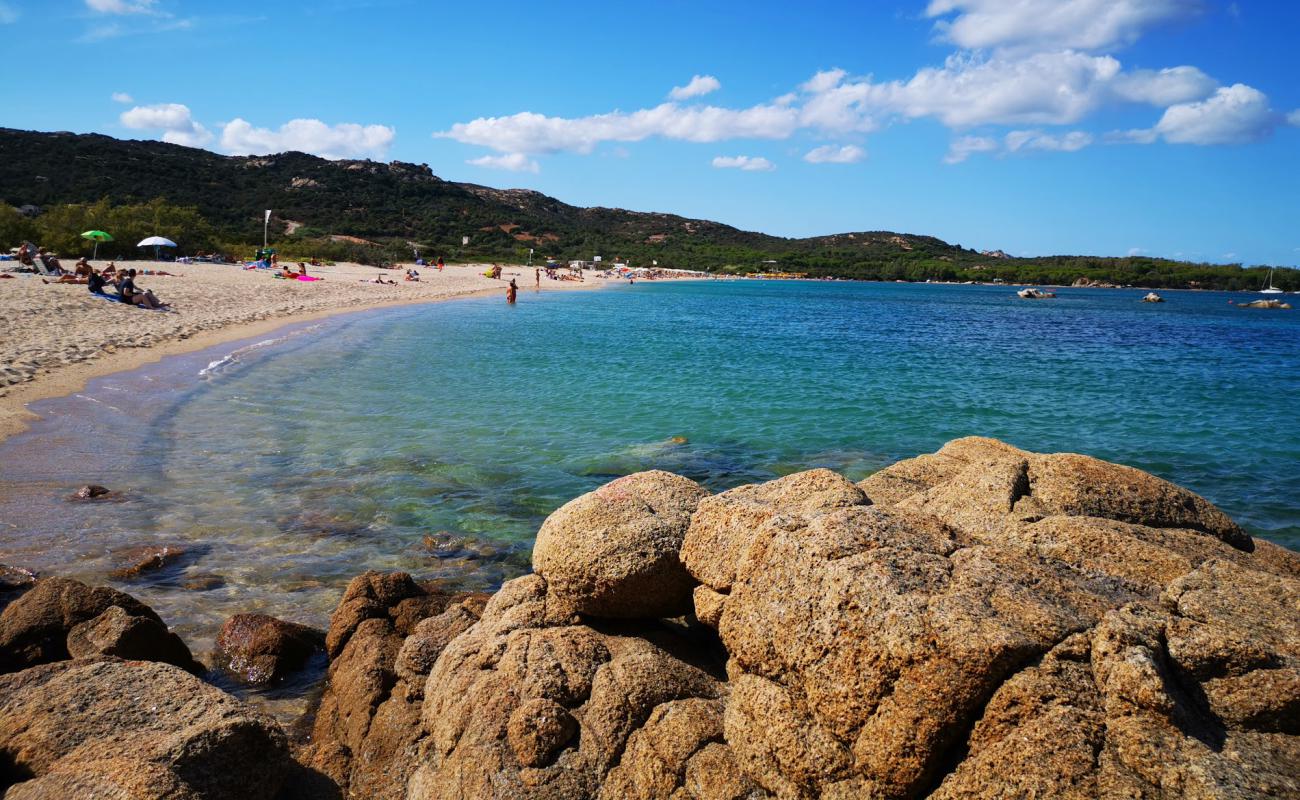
pixel 380 279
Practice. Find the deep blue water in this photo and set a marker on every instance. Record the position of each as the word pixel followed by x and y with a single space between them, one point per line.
pixel 436 438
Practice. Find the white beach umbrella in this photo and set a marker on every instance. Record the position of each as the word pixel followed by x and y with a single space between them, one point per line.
pixel 156 241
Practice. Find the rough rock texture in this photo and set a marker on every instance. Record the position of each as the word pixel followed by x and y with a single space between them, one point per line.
pixel 60 618
pixel 530 702
pixel 383 639
pixel 999 624
pixel 104 728
pixel 614 552
pixel 263 649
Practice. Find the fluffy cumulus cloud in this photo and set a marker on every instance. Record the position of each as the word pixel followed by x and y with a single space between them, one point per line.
pixel 173 119
pixel 830 154
pixel 1096 25
pixel 532 133
pixel 345 140
pixel 1022 65
pixel 239 137
pixel 698 86
pixel 746 163
pixel 513 162
pixel 122 97
pixel 1233 115
pixel 122 6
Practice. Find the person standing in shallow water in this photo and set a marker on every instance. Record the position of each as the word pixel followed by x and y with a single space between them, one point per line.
pixel 512 291
pixel 537 276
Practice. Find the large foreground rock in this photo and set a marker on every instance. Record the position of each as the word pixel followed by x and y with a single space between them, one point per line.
pixel 384 638
pixel 981 622
pixel 999 624
pixel 532 703
pixel 105 728
pixel 614 552
pixel 59 618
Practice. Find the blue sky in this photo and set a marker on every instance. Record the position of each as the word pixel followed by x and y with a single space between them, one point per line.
pixel 1162 127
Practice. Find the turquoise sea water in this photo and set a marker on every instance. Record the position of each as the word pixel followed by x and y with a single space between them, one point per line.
pixel 436 438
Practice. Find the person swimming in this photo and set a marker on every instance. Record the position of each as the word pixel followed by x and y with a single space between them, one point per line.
pixel 512 291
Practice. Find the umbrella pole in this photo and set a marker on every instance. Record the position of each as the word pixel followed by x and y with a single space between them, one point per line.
pixel 95 257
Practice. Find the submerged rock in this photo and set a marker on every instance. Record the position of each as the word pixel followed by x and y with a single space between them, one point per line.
pixel 613 552
pixel 138 561
pixel 1030 293
pixel 104 728
pixel 1152 297
pixel 58 619
pixel 262 649
pixel 89 492
pixel 1265 304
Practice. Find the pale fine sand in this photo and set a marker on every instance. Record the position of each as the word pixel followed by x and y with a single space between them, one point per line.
pixel 54 338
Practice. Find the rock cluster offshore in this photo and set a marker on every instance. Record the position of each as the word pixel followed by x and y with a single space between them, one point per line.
pixel 978 622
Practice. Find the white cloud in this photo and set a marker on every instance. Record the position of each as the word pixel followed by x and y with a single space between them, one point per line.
pixel 513 162
pixel 1294 118
pixel 699 86
pixel 8 14
pixel 345 140
pixel 173 119
pixel 1097 25
pixel 1233 115
pixel 122 6
pixel 1136 251
pixel 1165 87
pixel 122 97
pixel 1016 141
pixel 830 154
pixel 746 163
pixel 531 133
pixel 961 149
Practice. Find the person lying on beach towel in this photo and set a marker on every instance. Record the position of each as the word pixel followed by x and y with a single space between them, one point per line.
pixel 379 279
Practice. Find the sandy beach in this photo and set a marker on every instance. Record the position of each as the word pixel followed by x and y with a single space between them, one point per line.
pixel 55 337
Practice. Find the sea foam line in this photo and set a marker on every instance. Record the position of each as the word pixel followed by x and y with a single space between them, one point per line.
pixel 215 368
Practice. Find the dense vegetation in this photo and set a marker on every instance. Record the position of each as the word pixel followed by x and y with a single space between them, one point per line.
pixel 371 212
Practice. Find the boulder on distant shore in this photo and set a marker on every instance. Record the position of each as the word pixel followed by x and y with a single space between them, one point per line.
pixel 614 552
pixel 105 728
pixel 60 618
pixel 262 649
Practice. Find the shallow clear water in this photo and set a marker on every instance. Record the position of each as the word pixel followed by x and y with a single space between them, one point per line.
pixel 436 438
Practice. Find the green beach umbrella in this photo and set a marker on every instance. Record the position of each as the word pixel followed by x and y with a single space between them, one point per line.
pixel 97 237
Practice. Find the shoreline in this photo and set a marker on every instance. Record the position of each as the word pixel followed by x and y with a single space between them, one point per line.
pixel 70 378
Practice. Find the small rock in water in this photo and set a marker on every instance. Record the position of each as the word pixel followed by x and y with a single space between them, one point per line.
pixel 1152 297
pixel 203 581
pixel 139 560
pixel 90 491
pixel 262 649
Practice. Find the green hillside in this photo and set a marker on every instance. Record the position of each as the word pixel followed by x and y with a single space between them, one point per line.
pixel 65 183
